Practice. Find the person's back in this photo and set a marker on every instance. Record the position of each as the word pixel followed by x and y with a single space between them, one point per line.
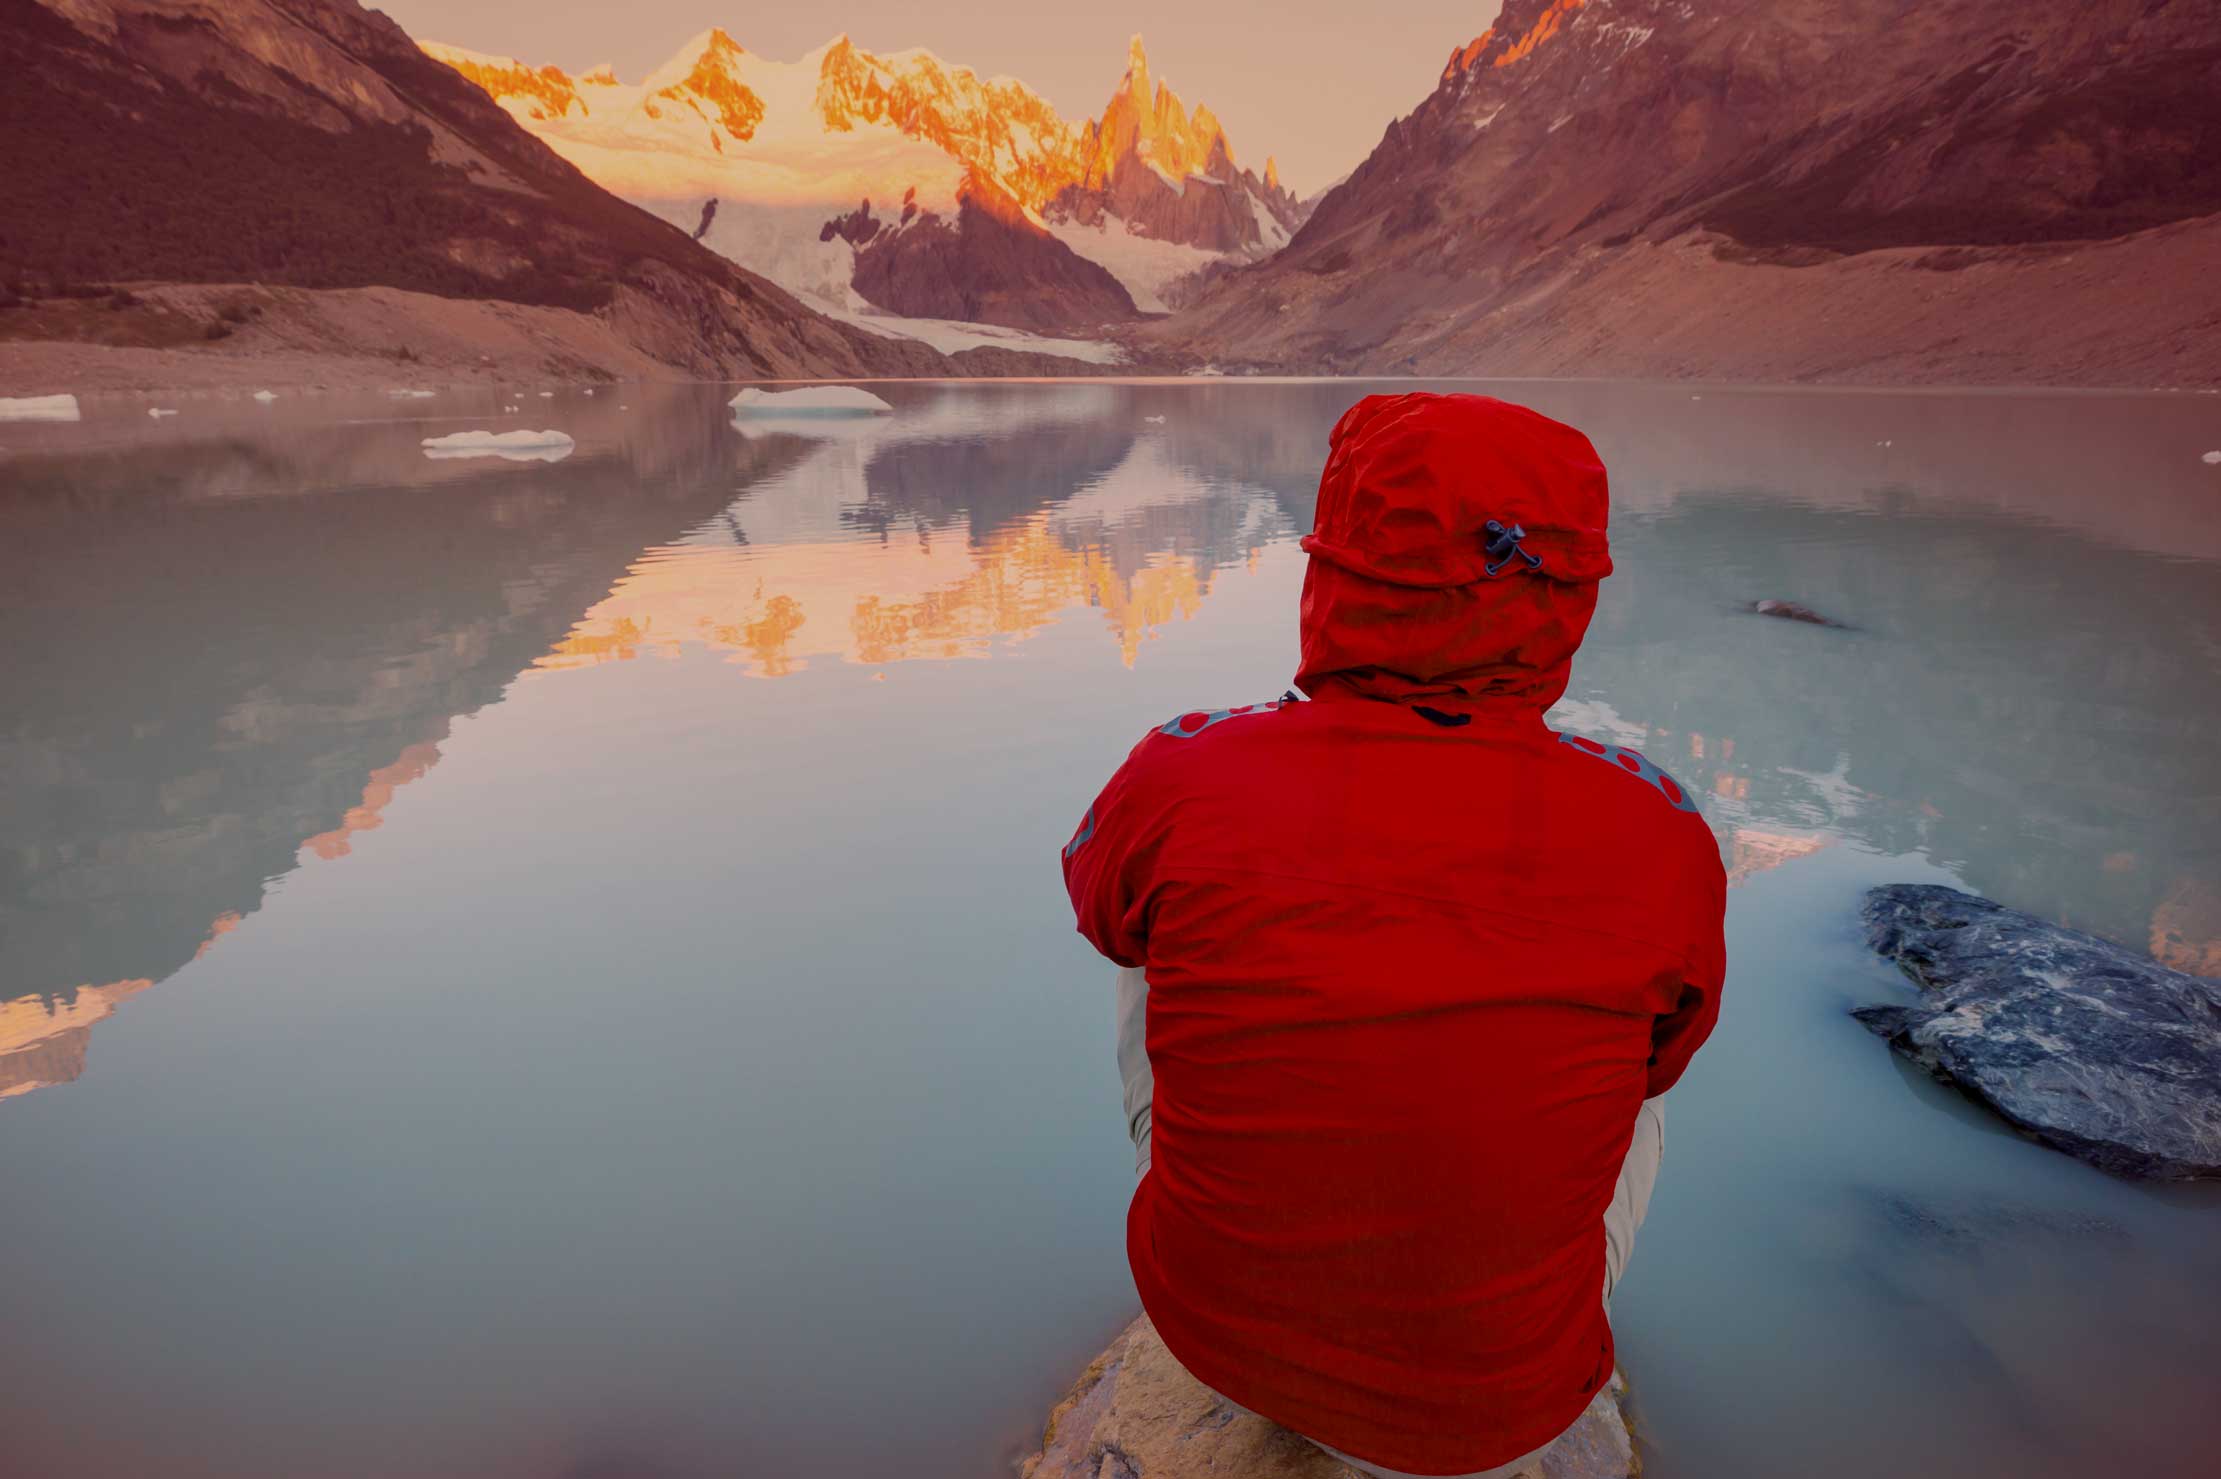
pixel 1414 964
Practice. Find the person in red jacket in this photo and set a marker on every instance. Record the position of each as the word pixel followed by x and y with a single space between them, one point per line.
pixel 1406 969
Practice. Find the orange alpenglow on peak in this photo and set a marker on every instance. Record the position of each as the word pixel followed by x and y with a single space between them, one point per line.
pixel 737 108
pixel 1545 27
pixel 1463 57
pixel 548 91
pixel 1155 126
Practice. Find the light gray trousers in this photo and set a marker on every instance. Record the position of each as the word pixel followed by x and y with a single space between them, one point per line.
pixel 1638 1174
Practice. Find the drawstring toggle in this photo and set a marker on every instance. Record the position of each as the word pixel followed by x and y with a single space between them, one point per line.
pixel 1502 547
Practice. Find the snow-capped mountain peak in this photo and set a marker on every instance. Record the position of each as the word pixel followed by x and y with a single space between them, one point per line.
pixel 706 76
pixel 1150 191
pixel 531 93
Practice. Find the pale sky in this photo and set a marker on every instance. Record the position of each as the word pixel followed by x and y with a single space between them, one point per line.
pixel 1311 81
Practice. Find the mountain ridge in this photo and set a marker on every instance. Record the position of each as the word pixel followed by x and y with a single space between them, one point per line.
pixel 1843 189
pixel 1004 188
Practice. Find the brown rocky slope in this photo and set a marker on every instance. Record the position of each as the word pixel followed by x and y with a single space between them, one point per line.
pixel 1860 190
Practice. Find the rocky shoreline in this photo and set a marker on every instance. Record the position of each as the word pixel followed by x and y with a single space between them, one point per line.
pixel 1135 1413
pixel 159 337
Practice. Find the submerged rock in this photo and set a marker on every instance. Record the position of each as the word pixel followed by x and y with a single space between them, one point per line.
pixel 1135 1413
pixel 2091 1048
pixel 1791 611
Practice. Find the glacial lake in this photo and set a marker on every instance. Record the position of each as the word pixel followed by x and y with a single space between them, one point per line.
pixel 558 969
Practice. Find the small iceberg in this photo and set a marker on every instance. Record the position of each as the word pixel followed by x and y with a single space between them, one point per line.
pixel 410 395
pixel 515 446
pixel 38 408
pixel 813 400
pixel 2211 459
pixel 266 396
pixel 160 411
pixel 1154 420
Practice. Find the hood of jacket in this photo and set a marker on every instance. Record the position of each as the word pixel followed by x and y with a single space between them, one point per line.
pixel 1410 597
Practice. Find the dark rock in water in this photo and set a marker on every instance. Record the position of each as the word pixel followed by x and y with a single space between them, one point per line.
pixel 1791 611
pixel 2089 1047
pixel 1135 1413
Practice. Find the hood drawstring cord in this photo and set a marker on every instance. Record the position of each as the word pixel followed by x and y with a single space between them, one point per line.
pixel 1503 545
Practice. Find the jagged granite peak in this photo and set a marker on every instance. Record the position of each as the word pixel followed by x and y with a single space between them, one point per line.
pixel 1153 124
pixel 2085 1045
pixel 1170 174
pixel 997 129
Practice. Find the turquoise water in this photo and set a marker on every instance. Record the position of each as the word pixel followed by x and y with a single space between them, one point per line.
pixel 557 969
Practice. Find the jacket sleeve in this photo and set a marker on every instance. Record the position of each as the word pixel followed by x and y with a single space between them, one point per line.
pixel 1676 1036
pixel 1108 862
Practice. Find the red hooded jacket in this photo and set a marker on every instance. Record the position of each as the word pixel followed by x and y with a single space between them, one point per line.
pixel 1414 962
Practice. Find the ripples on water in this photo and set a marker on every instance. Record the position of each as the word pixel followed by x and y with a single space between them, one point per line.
pixel 556 969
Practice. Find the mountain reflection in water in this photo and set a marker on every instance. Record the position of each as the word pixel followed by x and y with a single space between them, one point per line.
pixel 246 642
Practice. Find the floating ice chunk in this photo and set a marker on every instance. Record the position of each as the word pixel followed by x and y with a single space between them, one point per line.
pixel 1154 420
pixel 160 411
pixel 547 395
pixel 266 396
pixel 409 395
pixel 516 446
pixel 811 400
pixel 38 408
pixel 2211 459
pixel 501 439
pixel 589 390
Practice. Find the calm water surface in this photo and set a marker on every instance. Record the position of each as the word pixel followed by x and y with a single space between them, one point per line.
pixel 520 969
